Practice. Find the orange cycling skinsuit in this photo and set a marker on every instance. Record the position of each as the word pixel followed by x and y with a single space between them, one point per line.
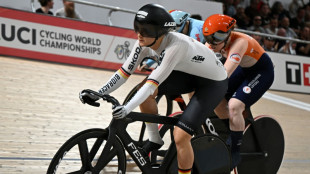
pixel 250 71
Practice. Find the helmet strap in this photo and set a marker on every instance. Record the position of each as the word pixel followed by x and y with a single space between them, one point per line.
pixel 156 38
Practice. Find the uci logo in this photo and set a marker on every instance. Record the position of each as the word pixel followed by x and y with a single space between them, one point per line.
pixel 24 35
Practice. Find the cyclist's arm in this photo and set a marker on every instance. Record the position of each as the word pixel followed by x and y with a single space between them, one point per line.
pixel 235 54
pixel 122 74
pixel 156 77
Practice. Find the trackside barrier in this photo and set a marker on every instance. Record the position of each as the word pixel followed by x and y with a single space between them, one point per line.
pixel 37 36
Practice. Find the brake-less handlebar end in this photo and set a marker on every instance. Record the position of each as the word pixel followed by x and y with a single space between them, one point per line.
pixel 105 97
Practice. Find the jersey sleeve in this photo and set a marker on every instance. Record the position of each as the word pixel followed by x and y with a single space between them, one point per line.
pixel 170 57
pixel 122 74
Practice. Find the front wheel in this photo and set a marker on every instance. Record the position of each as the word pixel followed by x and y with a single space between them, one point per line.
pixel 81 152
pixel 264 158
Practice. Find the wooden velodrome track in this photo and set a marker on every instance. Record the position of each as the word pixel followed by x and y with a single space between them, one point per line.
pixel 40 109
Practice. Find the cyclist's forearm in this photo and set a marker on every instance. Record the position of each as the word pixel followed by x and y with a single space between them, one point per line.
pixel 118 78
pixel 144 92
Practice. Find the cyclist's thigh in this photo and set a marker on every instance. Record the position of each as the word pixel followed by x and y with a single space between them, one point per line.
pixel 208 95
pixel 176 83
pixel 255 84
pixel 235 80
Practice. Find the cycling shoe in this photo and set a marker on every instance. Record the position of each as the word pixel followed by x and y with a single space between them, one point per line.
pixel 150 146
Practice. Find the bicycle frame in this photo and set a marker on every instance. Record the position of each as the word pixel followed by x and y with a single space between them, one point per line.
pixel 117 129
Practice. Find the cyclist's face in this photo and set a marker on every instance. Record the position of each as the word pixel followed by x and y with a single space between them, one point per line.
pixel 145 41
pixel 217 47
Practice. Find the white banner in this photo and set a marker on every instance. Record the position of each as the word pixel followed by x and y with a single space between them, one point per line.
pixel 292 72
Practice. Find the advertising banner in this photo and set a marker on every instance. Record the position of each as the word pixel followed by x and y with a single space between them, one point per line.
pixel 292 72
pixel 38 36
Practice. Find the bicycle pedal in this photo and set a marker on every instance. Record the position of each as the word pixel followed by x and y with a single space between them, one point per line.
pixel 150 146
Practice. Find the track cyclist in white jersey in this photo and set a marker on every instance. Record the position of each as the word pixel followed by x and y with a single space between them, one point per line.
pixel 185 25
pixel 184 65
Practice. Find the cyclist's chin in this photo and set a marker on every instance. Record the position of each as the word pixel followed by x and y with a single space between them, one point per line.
pixel 142 43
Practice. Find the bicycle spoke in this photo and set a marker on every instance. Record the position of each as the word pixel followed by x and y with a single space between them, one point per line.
pixel 95 148
pixel 86 165
pixel 108 157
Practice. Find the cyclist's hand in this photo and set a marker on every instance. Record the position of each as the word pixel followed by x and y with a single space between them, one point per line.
pixel 88 98
pixel 143 68
pixel 119 112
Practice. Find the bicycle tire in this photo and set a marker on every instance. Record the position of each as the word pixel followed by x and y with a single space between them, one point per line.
pixel 87 146
pixel 168 101
pixel 272 141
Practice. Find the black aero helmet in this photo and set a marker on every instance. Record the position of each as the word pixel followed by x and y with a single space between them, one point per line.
pixel 153 20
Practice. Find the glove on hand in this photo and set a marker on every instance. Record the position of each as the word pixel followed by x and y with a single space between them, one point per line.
pixel 88 98
pixel 119 112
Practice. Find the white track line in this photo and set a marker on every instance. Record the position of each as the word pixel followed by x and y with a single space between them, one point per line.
pixel 287 101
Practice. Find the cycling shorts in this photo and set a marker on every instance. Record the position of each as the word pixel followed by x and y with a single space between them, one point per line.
pixel 249 84
pixel 208 94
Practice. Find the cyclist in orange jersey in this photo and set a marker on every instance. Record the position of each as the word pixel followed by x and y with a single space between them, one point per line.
pixel 250 71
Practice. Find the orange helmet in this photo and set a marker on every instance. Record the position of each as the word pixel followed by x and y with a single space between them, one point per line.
pixel 217 28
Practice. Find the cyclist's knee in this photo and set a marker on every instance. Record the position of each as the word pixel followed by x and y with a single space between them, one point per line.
pixel 180 136
pixel 236 107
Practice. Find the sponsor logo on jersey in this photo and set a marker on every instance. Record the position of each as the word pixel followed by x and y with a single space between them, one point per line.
pixel 142 14
pixel 170 24
pixel 247 90
pixel 111 83
pixel 254 51
pixel 236 58
pixel 161 56
pixel 134 59
pixel 198 59
pixel 183 18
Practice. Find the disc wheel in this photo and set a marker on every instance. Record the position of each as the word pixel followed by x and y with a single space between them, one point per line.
pixel 268 158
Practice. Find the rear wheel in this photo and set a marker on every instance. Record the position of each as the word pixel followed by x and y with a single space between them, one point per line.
pixel 81 152
pixel 268 159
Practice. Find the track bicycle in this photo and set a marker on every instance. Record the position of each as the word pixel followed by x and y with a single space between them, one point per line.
pixel 95 151
pixel 263 140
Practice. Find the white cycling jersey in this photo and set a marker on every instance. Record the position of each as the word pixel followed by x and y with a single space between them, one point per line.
pixel 177 52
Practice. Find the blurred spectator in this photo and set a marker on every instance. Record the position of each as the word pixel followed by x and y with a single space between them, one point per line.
pixel 244 3
pixel 252 10
pixel 264 12
pixel 241 18
pixel 307 16
pixel 280 42
pixel 278 10
pixel 285 23
pixel 289 48
pixel 293 7
pixel 273 26
pixel 268 44
pixel 303 48
pixel 230 9
pixel 298 22
pixel 68 11
pixel 258 38
pixel 46 5
pixel 257 24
